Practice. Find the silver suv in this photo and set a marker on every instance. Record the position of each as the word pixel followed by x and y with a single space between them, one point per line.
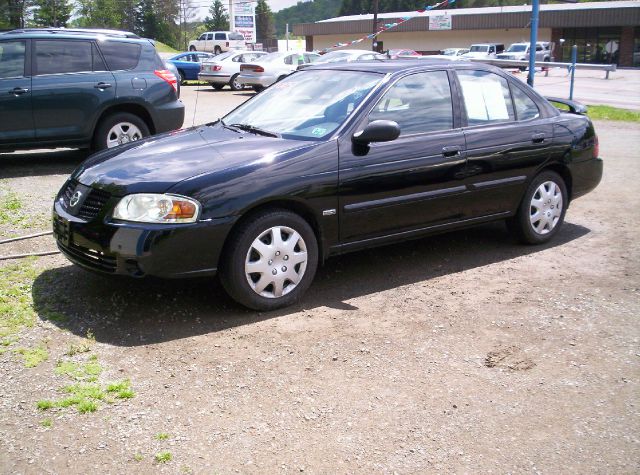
pixel 521 52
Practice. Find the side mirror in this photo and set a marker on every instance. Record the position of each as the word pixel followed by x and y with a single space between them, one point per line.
pixel 377 131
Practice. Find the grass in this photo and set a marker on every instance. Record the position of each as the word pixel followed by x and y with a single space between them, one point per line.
pixel 606 113
pixel 46 422
pixel 89 371
pixel 162 48
pixel 613 113
pixel 163 457
pixel 162 436
pixel 138 457
pixel 16 304
pixel 12 213
pixel 86 396
pixel 77 349
pixel 33 356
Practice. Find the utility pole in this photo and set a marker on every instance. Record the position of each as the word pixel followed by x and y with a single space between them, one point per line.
pixel 55 20
pixel 533 40
pixel 374 40
pixel 232 22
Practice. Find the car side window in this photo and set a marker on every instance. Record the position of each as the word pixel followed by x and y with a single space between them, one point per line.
pixel 526 108
pixel 120 55
pixel 486 97
pixel 203 37
pixel 240 59
pixel 209 36
pixel 98 62
pixel 289 59
pixel 12 54
pixel 221 36
pixel 418 103
pixel 60 56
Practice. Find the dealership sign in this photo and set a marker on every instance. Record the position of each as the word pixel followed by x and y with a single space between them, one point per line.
pixel 440 22
pixel 244 20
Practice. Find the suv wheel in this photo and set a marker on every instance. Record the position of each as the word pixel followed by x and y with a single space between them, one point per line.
pixel 118 129
pixel 217 50
pixel 270 261
pixel 192 48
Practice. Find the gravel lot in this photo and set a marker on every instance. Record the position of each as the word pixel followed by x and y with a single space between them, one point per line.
pixel 463 352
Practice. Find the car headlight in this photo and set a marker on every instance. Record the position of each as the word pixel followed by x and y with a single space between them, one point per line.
pixel 157 208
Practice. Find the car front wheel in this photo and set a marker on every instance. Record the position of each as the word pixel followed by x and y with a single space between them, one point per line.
pixel 118 129
pixel 270 261
pixel 192 48
pixel 542 210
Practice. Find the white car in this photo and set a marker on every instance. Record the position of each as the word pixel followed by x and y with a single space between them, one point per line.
pixel 224 68
pixel 454 52
pixel 484 51
pixel 273 67
pixel 347 55
pixel 217 42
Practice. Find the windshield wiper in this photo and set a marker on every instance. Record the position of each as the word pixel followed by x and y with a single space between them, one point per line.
pixel 225 126
pixel 254 130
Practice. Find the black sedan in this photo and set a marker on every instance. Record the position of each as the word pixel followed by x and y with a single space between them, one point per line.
pixel 332 159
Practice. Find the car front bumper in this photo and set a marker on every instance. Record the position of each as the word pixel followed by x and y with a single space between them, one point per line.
pixel 140 249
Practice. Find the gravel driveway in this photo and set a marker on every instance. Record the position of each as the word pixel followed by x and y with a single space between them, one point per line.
pixel 463 352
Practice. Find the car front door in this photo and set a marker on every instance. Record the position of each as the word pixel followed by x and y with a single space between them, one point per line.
pixel 410 183
pixel 15 93
pixel 70 85
pixel 505 145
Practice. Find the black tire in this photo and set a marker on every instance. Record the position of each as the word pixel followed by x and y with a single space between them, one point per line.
pixel 181 74
pixel 217 87
pixel 521 226
pixel 217 50
pixel 257 88
pixel 100 140
pixel 234 85
pixel 192 48
pixel 232 263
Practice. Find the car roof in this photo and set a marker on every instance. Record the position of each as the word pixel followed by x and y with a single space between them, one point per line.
pixel 75 33
pixel 386 66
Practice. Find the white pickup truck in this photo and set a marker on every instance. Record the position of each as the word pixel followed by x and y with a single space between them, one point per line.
pixel 217 42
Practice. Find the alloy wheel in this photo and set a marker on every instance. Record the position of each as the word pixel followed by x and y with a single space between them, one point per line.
pixel 122 133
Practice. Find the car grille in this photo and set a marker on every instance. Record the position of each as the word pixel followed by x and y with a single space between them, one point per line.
pixel 91 258
pixel 92 204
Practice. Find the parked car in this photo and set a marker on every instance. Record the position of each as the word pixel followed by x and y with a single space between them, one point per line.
pixel 402 53
pixel 454 51
pixel 218 42
pixel 189 64
pixel 224 69
pixel 79 88
pixel 484 51
pixel 346 55
pixel 331 159
pixel 521 52
pixel 273 67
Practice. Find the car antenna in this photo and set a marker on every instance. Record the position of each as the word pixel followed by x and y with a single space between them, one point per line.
pixel 195 108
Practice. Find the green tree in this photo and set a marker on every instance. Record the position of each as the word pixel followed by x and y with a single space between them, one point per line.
pixel 219 20
pixel 51 12
pixel 265 26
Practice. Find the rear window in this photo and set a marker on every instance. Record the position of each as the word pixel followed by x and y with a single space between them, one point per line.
pixel 236 37
pixel 120 55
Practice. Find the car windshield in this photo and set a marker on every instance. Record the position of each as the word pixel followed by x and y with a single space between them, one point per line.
pixel 222 56
pixel 308 105
pixel 479 49
pixel 334 56
pixel 270 58
pixel 517 48
pixel 236 36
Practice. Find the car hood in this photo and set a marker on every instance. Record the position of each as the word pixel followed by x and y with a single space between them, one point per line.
pixel 158 163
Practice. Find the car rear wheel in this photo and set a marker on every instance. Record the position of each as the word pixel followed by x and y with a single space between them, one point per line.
pixel 118 129
pixel 192 48
pixel 182 79
pixel 541 212
pixel 270 261
pixel 234 84
pixel 217 86
pixel 257 88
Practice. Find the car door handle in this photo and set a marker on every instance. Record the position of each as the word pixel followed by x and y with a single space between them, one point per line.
pixel 451 151
pixel 18 91
pixel 102 85
pixel 537 138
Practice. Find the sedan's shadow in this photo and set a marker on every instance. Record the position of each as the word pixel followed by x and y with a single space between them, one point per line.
pixel 122 311
pixel 41 162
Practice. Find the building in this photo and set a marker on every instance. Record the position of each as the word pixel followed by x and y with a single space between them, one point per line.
pixel 605 32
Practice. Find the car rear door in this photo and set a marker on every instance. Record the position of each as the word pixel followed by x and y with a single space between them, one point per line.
pixel 16 111
pixel 70 85
pixel 505 145
pixel 412 182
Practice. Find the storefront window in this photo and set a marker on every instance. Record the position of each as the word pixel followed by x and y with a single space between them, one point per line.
pixel 595 45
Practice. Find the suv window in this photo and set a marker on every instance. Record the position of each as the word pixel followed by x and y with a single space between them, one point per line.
pixel 12 55
pixel 526 109
pixel 486 97
pixel 120 55
pixel 62 56
pixel 418 103
pixel 209 36
pixel 203 37
pixel 221 36
pixel 236 37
